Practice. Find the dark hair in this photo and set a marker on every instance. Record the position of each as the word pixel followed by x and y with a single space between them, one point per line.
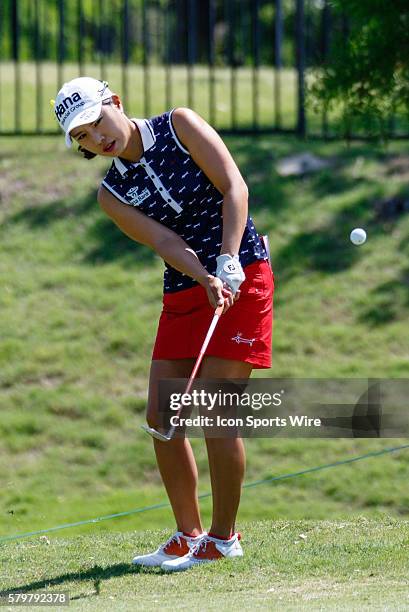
pixel 87 154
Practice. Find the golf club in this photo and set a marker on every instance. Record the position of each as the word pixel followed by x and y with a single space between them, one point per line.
pixel 169 435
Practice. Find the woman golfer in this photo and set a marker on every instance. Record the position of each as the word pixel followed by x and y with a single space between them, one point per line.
pixel 174 187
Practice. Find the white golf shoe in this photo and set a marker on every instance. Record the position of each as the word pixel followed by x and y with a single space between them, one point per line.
pixel 206 550
pixel 177 546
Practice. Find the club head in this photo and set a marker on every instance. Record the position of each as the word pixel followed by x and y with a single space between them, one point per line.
pixel 155 434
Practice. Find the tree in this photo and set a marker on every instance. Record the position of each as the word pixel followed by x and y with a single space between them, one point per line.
pixel 366 77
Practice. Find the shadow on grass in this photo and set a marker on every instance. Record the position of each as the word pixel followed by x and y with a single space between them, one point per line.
pixel 258 161
pixel 334 181
pixel 326 248
pixel 321 250
pixel 321 247
pixel 107 244
pixel 102 242
pixel 95 575
pixel 388 302
pixel 41 216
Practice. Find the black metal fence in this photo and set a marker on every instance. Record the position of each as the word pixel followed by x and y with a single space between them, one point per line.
pixel 242 64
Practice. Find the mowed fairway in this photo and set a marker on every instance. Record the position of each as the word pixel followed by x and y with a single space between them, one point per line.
pixel 288 565
pixel 79 306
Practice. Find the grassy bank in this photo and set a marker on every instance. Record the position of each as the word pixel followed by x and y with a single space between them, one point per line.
pixel 79 306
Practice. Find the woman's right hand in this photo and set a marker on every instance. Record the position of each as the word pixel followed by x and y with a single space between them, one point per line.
pixel 217 293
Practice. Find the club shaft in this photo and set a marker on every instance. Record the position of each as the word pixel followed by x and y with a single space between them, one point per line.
pixel 209 334
pixel 202 352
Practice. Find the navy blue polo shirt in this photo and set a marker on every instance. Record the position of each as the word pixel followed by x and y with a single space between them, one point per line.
pixel 167 185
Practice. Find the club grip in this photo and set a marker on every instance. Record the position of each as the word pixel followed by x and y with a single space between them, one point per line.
pixel 219 310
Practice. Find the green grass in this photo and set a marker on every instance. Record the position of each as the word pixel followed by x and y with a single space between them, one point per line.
pixel 79 309
pixel 288 565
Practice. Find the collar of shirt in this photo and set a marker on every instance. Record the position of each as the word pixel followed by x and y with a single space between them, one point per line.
pixel 148 140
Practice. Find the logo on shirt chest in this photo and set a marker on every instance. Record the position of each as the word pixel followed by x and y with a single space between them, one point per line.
pixel 136 198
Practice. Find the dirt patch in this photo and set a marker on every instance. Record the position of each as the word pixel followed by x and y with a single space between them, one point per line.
pixel 9 189
pixel 397 167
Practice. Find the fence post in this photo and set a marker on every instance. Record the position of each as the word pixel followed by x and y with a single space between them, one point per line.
pixel 278 61
pixel 256 62
pixel 37 51
pixel 61 42
pixel 125 51
pixel 146 52
pixel 300 63
pixel 101 39
pixel 2 20
pixel 80 18
pixel 212 83
pixel 345 29
pixel 16 58
pixel 191 49
pixel 233 64
pixel 326 25
pixel 169 26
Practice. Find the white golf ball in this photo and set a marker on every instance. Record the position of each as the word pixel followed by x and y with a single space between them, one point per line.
pixel 358 236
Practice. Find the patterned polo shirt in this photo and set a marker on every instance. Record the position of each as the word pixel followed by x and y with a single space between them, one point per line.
pixel 167 185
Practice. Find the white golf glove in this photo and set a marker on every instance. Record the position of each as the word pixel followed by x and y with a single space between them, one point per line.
pixel 229 271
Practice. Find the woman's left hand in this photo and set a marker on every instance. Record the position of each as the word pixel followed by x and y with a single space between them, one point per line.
pixel 217 293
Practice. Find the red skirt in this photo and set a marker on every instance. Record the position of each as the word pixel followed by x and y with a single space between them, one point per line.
pixel 243 333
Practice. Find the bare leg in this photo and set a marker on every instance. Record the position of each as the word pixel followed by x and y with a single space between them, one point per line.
pixel 175 458
pixel 227 460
